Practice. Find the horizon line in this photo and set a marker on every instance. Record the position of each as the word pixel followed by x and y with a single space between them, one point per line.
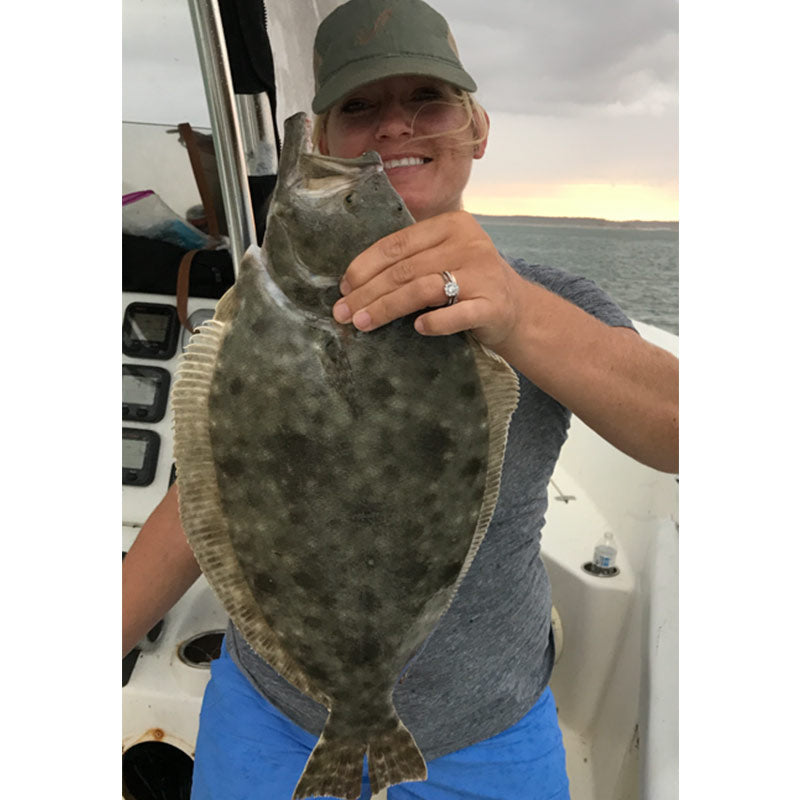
pixel 584 219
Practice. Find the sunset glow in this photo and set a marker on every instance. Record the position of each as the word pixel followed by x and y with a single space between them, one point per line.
pixel 605 201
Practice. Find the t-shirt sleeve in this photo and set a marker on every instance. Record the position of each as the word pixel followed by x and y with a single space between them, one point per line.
pixel 582 292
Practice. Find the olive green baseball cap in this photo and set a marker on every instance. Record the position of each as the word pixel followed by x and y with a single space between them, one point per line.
pixel 366 40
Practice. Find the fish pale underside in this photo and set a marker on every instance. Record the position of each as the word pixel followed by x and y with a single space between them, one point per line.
pixel 335 485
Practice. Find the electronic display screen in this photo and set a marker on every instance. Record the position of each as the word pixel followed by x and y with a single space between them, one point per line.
pixel 138 390
pixel 149 327
pixel 150 330
pixel 133 453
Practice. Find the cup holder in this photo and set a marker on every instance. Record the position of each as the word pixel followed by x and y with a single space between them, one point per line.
pixel 156 771
pixel 201 650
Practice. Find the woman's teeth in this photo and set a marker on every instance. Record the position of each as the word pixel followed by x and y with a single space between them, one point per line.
pixel 404 162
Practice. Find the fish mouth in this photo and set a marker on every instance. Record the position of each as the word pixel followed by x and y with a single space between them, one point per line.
pixel 301 167
pixel 331 174
pixel 311 166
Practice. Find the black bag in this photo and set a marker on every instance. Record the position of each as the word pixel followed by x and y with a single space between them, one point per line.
pixel 151 266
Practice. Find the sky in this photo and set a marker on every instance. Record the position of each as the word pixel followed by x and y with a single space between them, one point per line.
pixel 583 102
pixel 582 98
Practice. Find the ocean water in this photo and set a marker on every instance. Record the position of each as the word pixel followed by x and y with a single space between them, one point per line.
pixel 637 266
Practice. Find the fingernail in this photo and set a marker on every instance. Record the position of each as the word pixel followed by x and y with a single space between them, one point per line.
pixel 362 320
pixel 344 287
pixel 341 311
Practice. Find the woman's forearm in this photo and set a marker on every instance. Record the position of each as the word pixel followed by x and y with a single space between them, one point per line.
pixel 621 386
pixel 156 572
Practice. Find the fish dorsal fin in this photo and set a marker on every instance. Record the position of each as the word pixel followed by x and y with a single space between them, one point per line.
pixel 501 391
pixel 199 501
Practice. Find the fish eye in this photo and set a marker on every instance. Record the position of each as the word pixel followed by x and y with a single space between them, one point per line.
pixel 349 198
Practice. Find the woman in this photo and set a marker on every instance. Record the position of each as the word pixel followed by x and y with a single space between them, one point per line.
pixel 388 79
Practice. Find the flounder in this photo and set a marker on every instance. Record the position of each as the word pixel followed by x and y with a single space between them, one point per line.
pixel 335 485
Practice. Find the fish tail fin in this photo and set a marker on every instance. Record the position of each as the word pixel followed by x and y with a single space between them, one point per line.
pixel 336 764
pixel 333 769
pixel 393 757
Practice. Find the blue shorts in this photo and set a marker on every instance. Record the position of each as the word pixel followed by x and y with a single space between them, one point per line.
pixel 248 750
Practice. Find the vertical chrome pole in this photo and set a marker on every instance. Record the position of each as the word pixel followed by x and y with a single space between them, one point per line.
pixel 258 139
pixel 210 38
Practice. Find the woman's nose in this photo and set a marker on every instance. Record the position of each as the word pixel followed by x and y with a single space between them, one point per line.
pixel 394 120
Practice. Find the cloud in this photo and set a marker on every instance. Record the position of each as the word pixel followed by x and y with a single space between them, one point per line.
pixel 579 93
pixel 607 149
pixel 569 56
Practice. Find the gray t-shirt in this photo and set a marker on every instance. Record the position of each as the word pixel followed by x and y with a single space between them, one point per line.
pixel 491 655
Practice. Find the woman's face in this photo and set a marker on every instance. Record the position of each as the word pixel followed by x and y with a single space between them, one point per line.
pixel 389 116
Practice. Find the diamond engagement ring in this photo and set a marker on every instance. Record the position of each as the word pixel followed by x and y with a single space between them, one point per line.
pixel 450 287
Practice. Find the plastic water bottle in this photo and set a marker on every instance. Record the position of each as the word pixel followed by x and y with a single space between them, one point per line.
pixel 605 552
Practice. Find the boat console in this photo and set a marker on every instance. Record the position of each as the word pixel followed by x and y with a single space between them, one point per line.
pixel 164 677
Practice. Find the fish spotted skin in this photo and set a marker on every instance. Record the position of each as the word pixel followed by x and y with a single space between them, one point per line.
pixel 352 474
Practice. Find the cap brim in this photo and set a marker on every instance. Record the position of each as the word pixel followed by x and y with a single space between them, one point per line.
pixel 367 70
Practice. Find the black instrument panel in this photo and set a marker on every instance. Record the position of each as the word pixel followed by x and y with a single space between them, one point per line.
pixel 139 456
pixel 145 392
pixel 150 330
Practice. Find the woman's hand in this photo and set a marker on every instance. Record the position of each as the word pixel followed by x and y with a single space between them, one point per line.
pixel 402 273
pixel 622 386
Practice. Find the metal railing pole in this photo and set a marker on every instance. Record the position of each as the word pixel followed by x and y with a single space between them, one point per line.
pixel 210 39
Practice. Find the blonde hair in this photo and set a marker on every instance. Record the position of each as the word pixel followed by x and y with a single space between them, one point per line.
pixel 476 118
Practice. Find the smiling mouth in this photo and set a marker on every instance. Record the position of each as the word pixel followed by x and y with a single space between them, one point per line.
pixel 411 161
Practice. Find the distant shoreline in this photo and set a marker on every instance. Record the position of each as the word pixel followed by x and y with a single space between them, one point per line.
pixel 584 222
